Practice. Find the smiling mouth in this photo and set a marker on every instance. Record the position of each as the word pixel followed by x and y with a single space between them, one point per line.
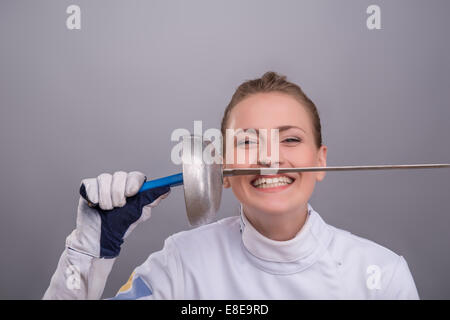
pixel 264 182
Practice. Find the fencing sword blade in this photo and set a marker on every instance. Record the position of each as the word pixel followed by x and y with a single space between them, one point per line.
pixel 271 171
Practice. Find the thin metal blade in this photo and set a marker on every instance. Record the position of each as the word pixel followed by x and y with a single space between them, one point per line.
pixel 270 171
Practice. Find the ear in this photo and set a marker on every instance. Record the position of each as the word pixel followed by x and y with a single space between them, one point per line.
pixel 226 182
pixel 322 162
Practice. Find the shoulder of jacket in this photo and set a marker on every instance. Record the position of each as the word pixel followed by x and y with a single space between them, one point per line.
pixel 204 232
pixel 348 244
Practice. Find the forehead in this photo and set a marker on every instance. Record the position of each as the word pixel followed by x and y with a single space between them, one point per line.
pixel 269 110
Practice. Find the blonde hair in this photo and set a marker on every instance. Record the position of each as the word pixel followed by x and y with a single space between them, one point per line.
pixel 274 82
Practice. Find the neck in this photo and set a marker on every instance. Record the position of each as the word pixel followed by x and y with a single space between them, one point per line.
pixel 279 227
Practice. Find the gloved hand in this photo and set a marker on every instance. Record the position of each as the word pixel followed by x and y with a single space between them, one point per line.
pixel 118 209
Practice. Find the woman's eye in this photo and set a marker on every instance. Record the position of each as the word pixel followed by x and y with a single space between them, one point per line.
pixel 246 142
pixel 292 140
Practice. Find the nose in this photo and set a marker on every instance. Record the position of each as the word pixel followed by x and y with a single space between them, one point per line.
pixel 266 161
pixel 269 154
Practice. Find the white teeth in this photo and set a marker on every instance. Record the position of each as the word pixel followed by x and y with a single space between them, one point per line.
pixel 271 185
pixel 272 182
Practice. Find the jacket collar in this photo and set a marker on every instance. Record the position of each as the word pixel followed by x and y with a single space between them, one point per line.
pixel 291 255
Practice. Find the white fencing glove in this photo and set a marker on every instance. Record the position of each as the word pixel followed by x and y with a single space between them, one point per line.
pixel 114 209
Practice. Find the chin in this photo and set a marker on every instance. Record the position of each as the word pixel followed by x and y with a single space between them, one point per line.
pixel 274 207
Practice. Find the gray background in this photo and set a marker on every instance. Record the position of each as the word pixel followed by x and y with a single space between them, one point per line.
pixel 75 104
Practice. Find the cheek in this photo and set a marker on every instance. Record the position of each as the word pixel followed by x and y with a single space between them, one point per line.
pixel 238 186
pixel 238 182
pixel 301 156
pixel 308 179
pixel 242 158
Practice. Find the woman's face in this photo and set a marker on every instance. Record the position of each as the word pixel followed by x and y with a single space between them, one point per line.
pixel 296 146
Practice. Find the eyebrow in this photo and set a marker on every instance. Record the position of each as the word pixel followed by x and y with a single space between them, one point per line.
pixel 280 129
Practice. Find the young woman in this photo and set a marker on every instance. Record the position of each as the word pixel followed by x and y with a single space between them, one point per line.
pixel 277 247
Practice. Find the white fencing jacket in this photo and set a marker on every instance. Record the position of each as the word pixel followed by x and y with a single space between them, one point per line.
pixel 230 259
